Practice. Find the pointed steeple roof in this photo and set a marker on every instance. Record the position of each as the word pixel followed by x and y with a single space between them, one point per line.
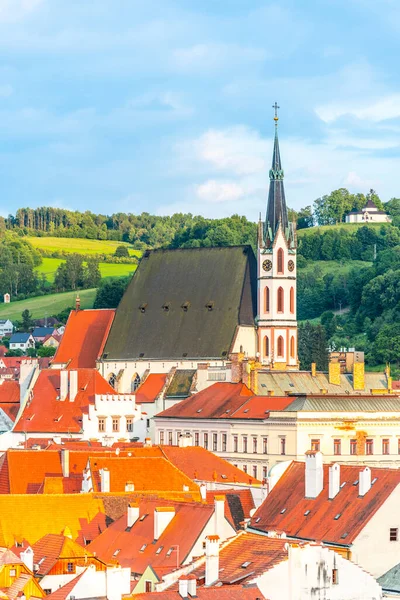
pixel 276 208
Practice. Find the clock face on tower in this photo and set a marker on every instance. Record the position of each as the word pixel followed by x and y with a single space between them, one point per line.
pixel 267 265
pixel 290 265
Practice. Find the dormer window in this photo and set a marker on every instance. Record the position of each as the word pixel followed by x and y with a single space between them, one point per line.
pixel 185 306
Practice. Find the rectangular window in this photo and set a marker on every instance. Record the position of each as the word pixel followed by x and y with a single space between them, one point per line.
pixel 129 424
pixel 393 534
pixel 369 446
pixel 315 445
pixel 102 424
pixel 224 442
pixel 147 423
pixel 254 445
pixel 197 439
pixel 70 567
pixel 265 472
pixel 161 434
pixel 385 446
pixel 170 438
pixel 265 445
pixel 148 587
pixel 353 447
pixel 235 443
pixel 337 447
pixel 13 572
pixel 335 577
pixel 245 468
pixel 245 445
pixel 283 446
pixel 255 471
pixel 205 443
pixel 178 435
pixel 215 442
pixel 115 424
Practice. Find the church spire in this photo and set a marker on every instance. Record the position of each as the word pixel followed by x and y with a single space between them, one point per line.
pixel 276 208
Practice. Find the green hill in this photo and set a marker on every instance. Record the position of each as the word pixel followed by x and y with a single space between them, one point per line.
pixel 79 245
pixel 49 267
pixel 348 227
pixel 52 304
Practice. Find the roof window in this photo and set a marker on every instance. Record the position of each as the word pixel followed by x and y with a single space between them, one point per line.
pixel 118 550
pixel 246 564
pixel 258 519
pixel 58 419
pixel 159 549
pixel 142 518
pixel 169 552
pixel 224 353
pixel 356 482
pixel 184 354
pixel 246 410
pixel 263 385
pixel 374 480
pixel 141 355
pixel 199 411
pixel 283 511
pixel 337 517
pixel 343 484
pixel 307 513
pixel 142 307
pixel 344 536
pixel 223 476
pixel 143 548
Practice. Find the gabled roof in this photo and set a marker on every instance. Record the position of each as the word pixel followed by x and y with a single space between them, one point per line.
pixel 149 390
pixel 52 547
pixel 180 384
pixel 238 504
pixel 233 592
pixel 390 581
pixel 282 383
pixel 19 338
pixel 9 398
pixel 65 591
pixel 42 331
pixel 185 303
pixel 45 413
pixel 31 516
pixel 84 338
pixel 136 548
pixel 337 521
pixel 7 557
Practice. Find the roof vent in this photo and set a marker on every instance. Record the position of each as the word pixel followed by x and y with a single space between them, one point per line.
pixel 141 355
pixel 210 306
pixel 246 564
pixel 185 306
pixel 143 307
pixel 184 354
pixel 337 517
pixel 166 306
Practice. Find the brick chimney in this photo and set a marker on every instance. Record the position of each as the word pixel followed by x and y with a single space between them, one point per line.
pixel 364 481
pixel 77 303
pixel 187 586
pixel 105 480
pixel 163 516
pixel 334 480
pixel 314 474
pixel 212 559
pixel 132 514
pixel 334 373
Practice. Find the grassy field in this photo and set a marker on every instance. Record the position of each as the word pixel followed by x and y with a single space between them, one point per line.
pixel 351 227
pixel 334 266
pixel 47 305
pixel 79 245
pixel 50 265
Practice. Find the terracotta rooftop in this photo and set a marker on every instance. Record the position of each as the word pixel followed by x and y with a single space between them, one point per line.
pixel 150 388
pixel 9 398
pixel 234 592
pixel 337 521
pixel 65 591
pixel 52 547
pixel 84 338
pixel 238 504
pixel 46 413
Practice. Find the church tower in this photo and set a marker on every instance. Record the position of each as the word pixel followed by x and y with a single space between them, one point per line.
pixel 277 324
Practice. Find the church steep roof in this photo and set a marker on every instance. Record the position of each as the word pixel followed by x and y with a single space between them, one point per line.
pixel 185 303
pixel 276 207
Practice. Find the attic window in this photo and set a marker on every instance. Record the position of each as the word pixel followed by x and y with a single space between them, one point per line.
pixel 159 549
pixel 291 384
pixel 118 550
pixel 143 548
pixel 30 418
pixel 283 511
pixel 263 385
pixel 143 307
pixel 223 476
pixel 185 306
pixel 246 564
pixel 307 513
pixel 337 517
pixel 246 410
pixel 58 418
pixel 228 410
pixel 209 306
pixel 374 480
pixel 105 355
pixel 142 518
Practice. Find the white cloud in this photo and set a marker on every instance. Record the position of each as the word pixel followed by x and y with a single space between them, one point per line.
pixel 375 111
pixel 6 90
pixel 211 56
pixel 219 191
pixel 13 10
pixel 353 180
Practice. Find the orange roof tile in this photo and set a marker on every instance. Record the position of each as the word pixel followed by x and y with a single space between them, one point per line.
pixel 46 414
pixel 339 520
pixel 150 388
pixel 84 338
pixel 9 392
pixel 233 592
pixel 65 591
pixel 238 504
pixel 51 547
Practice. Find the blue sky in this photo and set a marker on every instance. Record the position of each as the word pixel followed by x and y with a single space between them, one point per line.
pixel 165 105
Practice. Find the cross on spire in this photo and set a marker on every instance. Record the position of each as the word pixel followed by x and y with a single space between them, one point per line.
pixel 276 107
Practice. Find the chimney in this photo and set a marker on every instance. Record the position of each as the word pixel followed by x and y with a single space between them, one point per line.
pixel 334 480
pixel 192 585
pixel 313 369
pixel 365 481
pixel 65 462
pixel 132 514
pixel 77 303
pixel 314 474
pixel 203 491
pixel 183 586
pixel 334 373
pixel 73 385
pixel 27 558
pixel 219 514
pixel 358 376
pixel 105 480
pixel 212 559
pixel 163 516
pixel 63 384
pixel 147 442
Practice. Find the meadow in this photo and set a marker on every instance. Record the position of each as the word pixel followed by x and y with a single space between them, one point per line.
pixel 79 245
pixel 335 267
pixel 49 267
pixel 350 227
pixel 52 304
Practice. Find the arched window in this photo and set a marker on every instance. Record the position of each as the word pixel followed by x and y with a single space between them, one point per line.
pixel 292 347
pixel 280 261
pixel 280 346
pixel 135 382
pixel 266 345
pixel 267 299
pixel 112 380
pixel 280 300
pixel 291 300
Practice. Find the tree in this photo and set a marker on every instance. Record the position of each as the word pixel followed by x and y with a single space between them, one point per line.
pixel 27 321
pixel 46 351
pixel 305 218
pixel 122 252
pixel 110 293
pixel 92 274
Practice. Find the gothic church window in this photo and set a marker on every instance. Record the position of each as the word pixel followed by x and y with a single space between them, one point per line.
pixel 280 300
pixel 291 300
pixel 135 382
pixel 292 347
pixel 266 345
pixel 267 299
pixel 280 261
pixel 280 346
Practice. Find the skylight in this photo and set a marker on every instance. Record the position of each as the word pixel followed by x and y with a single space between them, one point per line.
pixel 307 513
pixel 118 550
pixel 159 549
pixel 143 548
pixel 283 510
pixel 356 482
pixel 246 564
pixel 199 411
pixel 246 410
pixel 343 484
pixel 258 519
pixel 344 536
pixel 374 480
pixel 142 518
pixel 337 517
pixel 169 552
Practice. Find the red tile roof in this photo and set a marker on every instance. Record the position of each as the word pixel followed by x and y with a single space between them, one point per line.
pixel 9 398
pixel 64 592
pixel 258 407
pixel 150 388
pixel 135 548
pixel 238 504
pixel 51 547
pixel 233 592
pixel 46 414
pixel 339 520
pixel 84 338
